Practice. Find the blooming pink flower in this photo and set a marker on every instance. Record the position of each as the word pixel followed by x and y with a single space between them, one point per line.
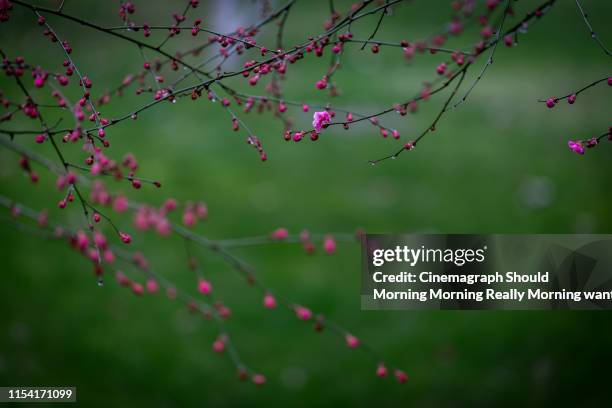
pixel 576 146
pixel 319 119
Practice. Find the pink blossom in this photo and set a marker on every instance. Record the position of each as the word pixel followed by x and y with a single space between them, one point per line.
pixel 122 278
pixel 280 233
pixel 171 293
pixel 137 288
pixel 319 119
pixel 163 227
pixel 189 218
pixel 125 237
pixel 352 341
pixel 303 313
pixel 170 204
pixel 109 256
pixel 401 376
pixel 82 241
pixel 381 371
pixel 219 345
pixel 329 245
pixel 120 204
pixel 152 285
pixel 204 287
pixel 576 146
pixel 100 240
pixel 269 301
pixel 259 379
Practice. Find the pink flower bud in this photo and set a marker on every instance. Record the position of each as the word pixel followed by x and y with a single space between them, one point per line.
pixel 302 313
pixel 441 69
pixel 109 256
pixel 120 204
pixel 576 146
pixel 170 204
pixel 329 245
pixel 125 237
pixel 269 301
pixel 122 279
pixel 171 293
pixel 137 288
pixel 204 287
pixel 189 218
pixel 381 371
pixel 352 341
pixel 401 376
pixel 219 345
pixel 259 379
pixel 280 233
pixel 152 285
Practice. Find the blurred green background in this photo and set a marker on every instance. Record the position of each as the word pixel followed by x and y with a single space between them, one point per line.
pixel 497 164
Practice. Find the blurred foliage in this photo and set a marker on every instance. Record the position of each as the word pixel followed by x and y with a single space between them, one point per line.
pixel 497 164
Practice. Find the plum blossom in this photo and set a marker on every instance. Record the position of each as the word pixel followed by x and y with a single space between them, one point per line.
pixel 319 119
pixel 576 146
